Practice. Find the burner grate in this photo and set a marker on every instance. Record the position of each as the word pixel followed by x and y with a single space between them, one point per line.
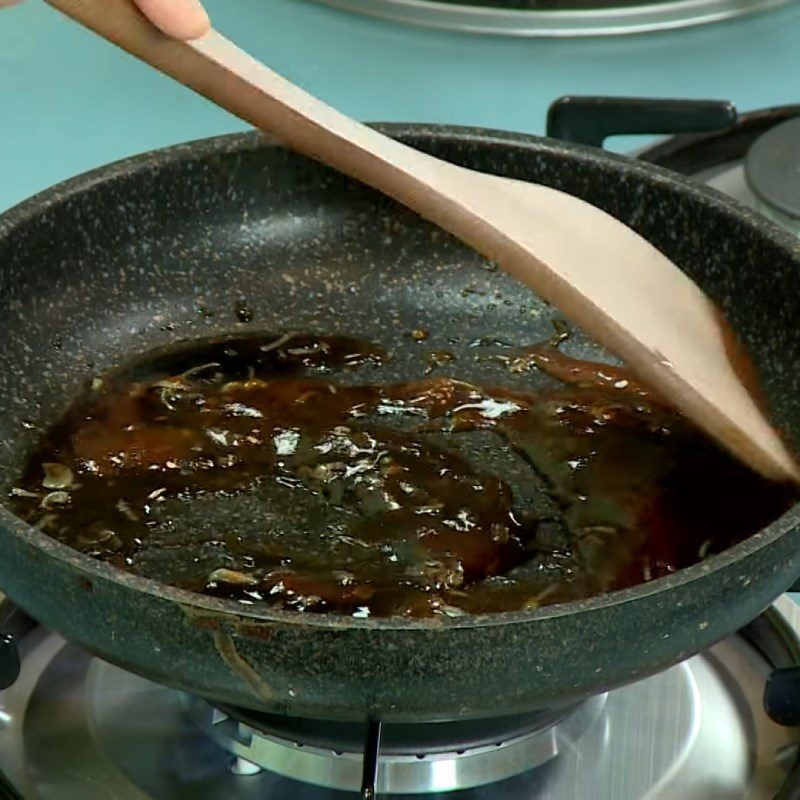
pixel 414 758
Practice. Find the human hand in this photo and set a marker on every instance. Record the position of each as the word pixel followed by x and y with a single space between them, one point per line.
pixel 181 19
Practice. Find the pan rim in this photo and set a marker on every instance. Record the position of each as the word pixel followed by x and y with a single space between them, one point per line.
pixel 93 569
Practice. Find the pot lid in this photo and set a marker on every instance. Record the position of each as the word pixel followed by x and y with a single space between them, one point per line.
pixel 556 17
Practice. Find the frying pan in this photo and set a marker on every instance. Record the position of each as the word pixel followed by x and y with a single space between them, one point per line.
pixel 122 260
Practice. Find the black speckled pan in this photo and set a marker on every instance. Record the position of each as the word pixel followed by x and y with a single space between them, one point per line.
pixel 134 256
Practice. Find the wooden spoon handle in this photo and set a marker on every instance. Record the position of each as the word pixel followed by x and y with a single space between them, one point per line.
pixel 602 274
pixel 214 67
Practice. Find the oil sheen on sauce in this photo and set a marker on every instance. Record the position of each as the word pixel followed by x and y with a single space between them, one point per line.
pixel 282 471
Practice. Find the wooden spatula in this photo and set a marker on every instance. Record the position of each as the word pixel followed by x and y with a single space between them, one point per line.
pixel 602 275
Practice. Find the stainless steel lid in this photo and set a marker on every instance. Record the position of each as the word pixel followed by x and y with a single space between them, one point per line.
pixel 556 17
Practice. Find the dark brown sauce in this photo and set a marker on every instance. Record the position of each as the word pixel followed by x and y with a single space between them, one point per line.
pixel 284 471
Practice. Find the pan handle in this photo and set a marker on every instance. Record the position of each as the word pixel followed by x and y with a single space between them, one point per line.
pixel 591 120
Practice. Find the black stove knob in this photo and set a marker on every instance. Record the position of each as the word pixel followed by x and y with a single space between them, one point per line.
pixel 9 660
pixel 782 696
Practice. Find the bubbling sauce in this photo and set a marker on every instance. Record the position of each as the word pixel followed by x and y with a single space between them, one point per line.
pixel 285 472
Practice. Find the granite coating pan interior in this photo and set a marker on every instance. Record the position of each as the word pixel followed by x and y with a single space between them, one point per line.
pixel 163 247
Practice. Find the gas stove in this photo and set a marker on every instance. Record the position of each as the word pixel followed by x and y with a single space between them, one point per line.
pixel 723 725
pixel 73 727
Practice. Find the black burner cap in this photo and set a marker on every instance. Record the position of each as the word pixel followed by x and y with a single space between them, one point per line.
pixel 772 167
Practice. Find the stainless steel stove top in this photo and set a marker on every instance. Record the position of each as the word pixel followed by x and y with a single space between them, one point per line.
pixel 75 728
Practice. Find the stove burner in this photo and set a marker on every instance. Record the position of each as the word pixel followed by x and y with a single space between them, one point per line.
pixel 73 727
pixel 414 758
pixel 398 739
pixel 772 169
